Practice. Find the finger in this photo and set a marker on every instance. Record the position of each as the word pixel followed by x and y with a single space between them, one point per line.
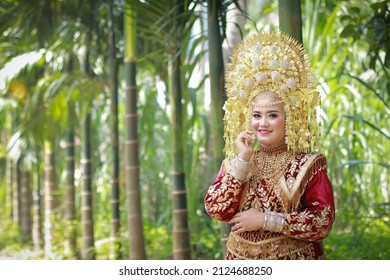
pixel 238 228
pixel 248 141
pixel 234 220
pixel 245 134
pixel 247 138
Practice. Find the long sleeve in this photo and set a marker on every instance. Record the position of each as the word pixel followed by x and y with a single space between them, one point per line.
pixel 315 219
pixel 223 196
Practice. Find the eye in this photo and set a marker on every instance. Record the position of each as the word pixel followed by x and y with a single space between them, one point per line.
pixel 273 116
pixel 256 116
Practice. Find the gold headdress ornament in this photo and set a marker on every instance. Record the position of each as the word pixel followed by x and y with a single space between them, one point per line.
pixel 271 62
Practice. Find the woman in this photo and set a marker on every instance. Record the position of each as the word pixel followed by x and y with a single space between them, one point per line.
pixel 272 188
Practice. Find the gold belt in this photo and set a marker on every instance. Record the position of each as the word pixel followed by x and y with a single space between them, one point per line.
pixel 278 247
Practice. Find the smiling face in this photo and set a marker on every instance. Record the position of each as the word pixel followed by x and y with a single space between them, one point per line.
pixel 268 119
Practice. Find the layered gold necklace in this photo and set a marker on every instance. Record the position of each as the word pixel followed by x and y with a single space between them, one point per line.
pixel 271 163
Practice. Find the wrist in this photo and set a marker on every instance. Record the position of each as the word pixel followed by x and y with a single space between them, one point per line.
pixel 244 156
pixel 274 221
pixel 239 168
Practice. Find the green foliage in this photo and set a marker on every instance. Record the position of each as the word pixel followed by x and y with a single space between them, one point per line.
pixel 158 242
pixel 10 237
pixel 371 24
pixel 57 234
pixel 368 239
pixel 207 244
pixel 356 137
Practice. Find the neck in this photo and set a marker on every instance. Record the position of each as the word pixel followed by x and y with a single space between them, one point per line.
pixel 274 150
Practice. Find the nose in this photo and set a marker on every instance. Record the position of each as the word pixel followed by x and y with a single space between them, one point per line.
pixel 264 122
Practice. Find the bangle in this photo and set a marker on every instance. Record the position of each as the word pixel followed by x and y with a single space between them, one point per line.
pixel 265 220
pixel 240 159
pixel 274 221
pixel 239 169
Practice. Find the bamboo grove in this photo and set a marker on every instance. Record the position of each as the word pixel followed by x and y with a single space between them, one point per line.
pixel 111 122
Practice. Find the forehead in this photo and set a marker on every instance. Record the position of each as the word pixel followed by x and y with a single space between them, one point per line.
pixel 267 95
pixel 270 108
pixel 267 101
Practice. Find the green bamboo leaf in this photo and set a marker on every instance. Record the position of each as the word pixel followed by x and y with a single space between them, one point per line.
pixel 361 162
pixel 54 86
pixel 72 90
pixel 361 119
pixel 368 86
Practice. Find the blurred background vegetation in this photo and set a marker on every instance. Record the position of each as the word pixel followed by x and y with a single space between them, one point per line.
pixel 67 129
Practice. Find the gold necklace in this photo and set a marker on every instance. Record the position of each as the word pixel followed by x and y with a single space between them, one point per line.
pixel 271 163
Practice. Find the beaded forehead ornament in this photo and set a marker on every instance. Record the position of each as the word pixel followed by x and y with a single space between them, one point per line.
pixel 271 62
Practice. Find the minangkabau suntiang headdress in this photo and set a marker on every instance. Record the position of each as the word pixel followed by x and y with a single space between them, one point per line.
pixel 271 62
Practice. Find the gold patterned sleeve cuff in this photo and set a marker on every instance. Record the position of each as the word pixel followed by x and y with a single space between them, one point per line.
pixel 239 169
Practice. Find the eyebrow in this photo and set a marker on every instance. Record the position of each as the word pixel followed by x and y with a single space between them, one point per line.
pixel 270 111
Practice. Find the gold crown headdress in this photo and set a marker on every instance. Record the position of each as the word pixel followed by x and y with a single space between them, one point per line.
pixel 271 62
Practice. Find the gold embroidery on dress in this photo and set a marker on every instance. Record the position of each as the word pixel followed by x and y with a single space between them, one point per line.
pixel 273 246
pixel 225 195
pixel 281 197
pixel 290 191
pixel 317 229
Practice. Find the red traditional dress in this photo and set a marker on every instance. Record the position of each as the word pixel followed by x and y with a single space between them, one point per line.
pixel 302 191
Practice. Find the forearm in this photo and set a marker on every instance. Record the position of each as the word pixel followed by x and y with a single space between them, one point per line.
pixel 306 225
pixel 311 225
pixel 223 197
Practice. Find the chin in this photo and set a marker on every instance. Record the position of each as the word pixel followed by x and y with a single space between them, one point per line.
pixel 269 144
pixel 266 144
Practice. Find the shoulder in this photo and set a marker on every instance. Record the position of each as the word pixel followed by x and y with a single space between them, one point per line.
pixel 312 160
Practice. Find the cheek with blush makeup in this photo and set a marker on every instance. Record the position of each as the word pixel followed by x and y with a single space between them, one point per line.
pixel 268 126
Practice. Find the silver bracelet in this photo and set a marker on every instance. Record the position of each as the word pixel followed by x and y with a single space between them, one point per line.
pixel 240 159
pixel 265 220
pixel 239 169
pixel 274 221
